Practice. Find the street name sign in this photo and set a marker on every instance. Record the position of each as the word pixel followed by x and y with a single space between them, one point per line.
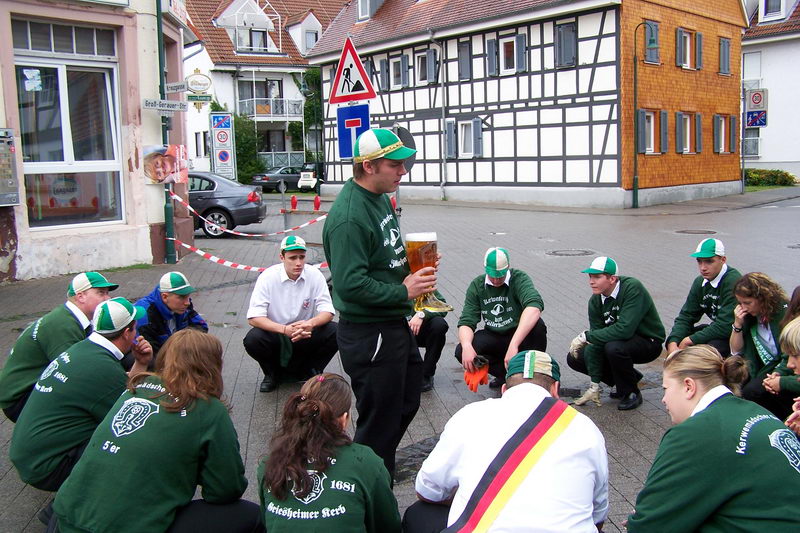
pixel 165 105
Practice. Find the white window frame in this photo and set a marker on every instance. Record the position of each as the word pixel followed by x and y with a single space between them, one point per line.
pixel 464 137
pixel 316 38
pixel 69 165
pixel 421 71
pixel 763 16
pixel 505 69
pixel 686 60
pixel 363 9
pixel 687 119
pixel 650 132
pixel 746 150
pixel 722 145
pixel 396 83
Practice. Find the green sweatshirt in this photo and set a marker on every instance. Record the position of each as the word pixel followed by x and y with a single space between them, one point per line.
pixel 759 370
pixel 39 344
pixel 715 303
pixel 631 313
pixel 145 462
pixel 499 307
pixel 353 494
pixel 72 396
pixel 731 467
pixel 367 257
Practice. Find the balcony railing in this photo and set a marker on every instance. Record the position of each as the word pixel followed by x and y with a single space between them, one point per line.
pixel 271 107
pixel 282 159
pixel 751 84
pixel 751 146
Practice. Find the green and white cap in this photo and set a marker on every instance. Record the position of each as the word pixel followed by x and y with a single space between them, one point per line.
pixel 380 142
pixel 710 248
pixel 176 283
pixel 88 280
pixel 292 242
pixel 532 362
pixel 495 262
pixel 602 265
pixel 113 315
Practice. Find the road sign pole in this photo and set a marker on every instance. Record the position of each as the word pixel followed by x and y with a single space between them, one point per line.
pixel 169 211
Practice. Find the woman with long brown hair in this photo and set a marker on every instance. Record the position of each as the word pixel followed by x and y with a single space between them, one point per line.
pixel 315 477
pixel 756 330
pixel 167 434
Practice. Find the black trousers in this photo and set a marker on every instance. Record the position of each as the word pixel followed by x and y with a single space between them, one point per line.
pixel 618 360
pixel 779 404
pixel 424 517
pixel 723 346
pixel 200 516
pixel 57 477
pixel 431 336
pixel 493 346
pixel 385 371
pixel 12 411
pixel 309 356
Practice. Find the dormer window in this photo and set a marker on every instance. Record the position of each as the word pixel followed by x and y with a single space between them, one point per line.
pixel 771 10
pixel 257 41
pixel 363 9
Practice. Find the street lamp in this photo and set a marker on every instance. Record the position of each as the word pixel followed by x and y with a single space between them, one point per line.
pixel 651 44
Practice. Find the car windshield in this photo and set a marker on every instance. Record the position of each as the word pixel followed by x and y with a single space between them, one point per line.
pixel 274 170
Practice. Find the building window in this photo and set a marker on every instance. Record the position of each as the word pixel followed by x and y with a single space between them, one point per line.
pixel 465 148
pixel 724 55
pixel 311 40
pixel 751 144
pixel 751 70
pixel 566 45
pixel 649 132
pixel 421 69
pixel 57 38
pixel 363 9
pixel 257 41
pixel 720 146
pixel 651 129
pixel 685 49
pixel 773 8
pixel 651 51
pixel 260 97
pixel 201 144
pixel 397 73
pixel 684 133
pixel 508 55
pixel 464 60
pixel 688 49
pixel 687 137
pixel 206 143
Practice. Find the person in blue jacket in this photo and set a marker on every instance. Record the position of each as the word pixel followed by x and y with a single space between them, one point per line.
pixel 169 309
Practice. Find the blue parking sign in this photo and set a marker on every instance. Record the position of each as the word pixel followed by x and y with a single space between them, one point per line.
pixel 351 121
pixel 756 119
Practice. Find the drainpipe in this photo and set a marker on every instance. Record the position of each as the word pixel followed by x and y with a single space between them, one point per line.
pixel 169 211
pixel 443 146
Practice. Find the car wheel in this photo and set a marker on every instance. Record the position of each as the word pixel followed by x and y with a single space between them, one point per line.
pixel 220 218
pixel 281 187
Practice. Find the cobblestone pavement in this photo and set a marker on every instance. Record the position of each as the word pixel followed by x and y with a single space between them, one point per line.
pixel 652 244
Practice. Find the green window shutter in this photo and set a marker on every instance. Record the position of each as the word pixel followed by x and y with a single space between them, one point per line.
pixel 385 74
pixel 679 133
pixel 431 64
pixel 724 56
pixel 717 142
pixel 464 61
pixel 698 133
pixel 651 32
pixel 679 47
pixel 641 141
pixel 404 70
pixel 522 52
pixel 477 137
pixel 698 50
pixel 664 132
pixel 491 57
pixel 450 139
pixel 733 134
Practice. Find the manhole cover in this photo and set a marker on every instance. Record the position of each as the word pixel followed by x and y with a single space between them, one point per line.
pixel 696 231
pixel 794 246
pixel 570 253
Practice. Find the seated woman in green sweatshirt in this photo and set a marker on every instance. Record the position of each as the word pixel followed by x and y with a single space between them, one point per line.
pixel 167 434
pixel 727 464
pixel 790 344
pixel 315 478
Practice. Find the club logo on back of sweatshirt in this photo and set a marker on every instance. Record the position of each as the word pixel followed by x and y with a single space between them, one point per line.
pixel 132 416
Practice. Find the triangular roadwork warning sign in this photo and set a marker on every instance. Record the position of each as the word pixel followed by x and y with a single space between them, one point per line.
pixel 351 81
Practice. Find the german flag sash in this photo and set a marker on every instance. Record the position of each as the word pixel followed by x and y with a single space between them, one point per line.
pixel 513 463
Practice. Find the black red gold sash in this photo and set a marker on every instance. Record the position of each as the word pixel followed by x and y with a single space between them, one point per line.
pixel 511 466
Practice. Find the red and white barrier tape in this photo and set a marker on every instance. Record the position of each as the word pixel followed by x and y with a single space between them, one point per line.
pixel 225 262
pixel 239 233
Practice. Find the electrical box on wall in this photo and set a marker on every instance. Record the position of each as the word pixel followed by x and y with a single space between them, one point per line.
pixel 9 185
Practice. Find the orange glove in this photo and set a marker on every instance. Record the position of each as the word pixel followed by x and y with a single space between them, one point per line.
pixel 479 377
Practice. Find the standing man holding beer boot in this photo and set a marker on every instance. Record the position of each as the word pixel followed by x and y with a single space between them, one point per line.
pixel 511 309
pixel 374 292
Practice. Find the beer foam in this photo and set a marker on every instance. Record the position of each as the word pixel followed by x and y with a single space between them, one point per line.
pixel 421 237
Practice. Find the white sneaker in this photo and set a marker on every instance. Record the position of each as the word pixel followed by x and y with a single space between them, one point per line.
pixel 591 395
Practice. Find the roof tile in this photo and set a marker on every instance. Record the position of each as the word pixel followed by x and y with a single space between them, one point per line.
pixel 790 24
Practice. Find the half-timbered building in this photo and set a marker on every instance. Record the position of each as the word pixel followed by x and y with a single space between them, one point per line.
pixel 532 101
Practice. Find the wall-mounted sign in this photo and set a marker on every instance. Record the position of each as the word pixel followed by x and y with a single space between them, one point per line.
pixel 198 83
pixel 223 145
pixel 177 87
pixel 165 105
pixel 198 97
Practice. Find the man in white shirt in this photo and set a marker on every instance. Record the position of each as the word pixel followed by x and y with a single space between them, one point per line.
pixel 522 462
pixel 291 312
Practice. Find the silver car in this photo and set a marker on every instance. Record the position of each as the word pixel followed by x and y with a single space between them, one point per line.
pixel 279 179
pixel 224 202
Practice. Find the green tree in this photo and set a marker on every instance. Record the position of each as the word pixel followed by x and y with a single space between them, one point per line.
pixel 247 160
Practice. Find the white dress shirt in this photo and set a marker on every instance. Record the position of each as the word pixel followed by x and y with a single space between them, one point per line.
pixel 284 300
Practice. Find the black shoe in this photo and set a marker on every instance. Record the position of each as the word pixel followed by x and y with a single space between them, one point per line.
pixel 427 384
pixel 496 383
pixel 269 384
pixel 632 400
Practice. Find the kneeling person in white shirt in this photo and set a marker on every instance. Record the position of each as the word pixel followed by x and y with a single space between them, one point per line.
pixel 523 462
pixel 290 312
